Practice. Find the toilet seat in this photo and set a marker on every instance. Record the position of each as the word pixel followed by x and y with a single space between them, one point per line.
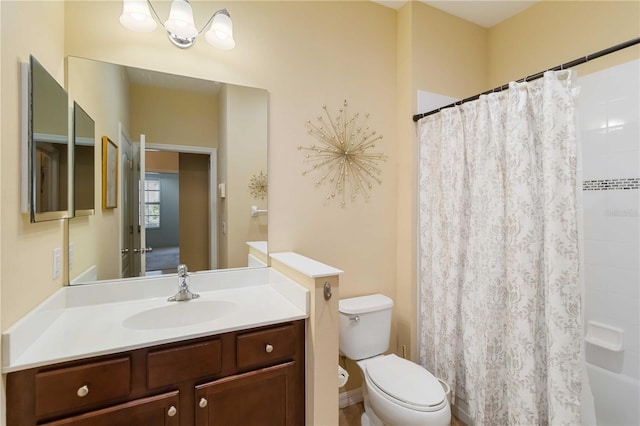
pixel 406 383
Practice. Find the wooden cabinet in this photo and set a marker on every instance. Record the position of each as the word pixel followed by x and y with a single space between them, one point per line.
pixel 264 397
pixel 249 377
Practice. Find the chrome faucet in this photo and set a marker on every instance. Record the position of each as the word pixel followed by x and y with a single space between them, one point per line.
pixel 183 286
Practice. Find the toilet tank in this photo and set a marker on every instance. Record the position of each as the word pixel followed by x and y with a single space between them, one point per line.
pixel 365 325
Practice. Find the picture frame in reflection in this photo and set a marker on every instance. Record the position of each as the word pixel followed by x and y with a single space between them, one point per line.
pixel 109 174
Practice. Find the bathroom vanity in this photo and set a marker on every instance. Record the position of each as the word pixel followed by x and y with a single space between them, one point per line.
pixel 200 382
pixel 90 355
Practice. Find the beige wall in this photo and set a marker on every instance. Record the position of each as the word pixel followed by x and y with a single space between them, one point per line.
pixel 222 171
pixel 442 54
pixel 103 92
pixel 38 29
pixel 161 161
pixel 174 117
pixel 572 29
pixel 245 155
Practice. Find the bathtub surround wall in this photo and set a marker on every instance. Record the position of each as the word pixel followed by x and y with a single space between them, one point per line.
pixel 611 185
pixel 609 115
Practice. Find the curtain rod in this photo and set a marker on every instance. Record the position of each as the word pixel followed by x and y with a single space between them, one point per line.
pixel 569 64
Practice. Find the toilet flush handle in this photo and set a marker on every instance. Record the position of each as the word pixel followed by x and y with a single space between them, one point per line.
pixel 355 319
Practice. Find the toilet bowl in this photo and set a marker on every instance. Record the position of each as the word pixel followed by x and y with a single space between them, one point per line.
pixel 396 391
pixel 400 392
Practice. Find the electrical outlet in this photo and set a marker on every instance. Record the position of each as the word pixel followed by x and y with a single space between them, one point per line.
pixel 57 262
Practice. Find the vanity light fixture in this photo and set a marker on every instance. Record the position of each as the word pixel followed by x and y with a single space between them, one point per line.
pixel 180 27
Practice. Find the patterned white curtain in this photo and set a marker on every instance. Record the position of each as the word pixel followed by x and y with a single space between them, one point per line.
pixel 500 298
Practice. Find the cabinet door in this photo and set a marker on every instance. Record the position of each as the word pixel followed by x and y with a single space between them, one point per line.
pixel 160 410
pixel 262 397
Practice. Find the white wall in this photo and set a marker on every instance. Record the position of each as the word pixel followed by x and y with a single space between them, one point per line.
pixel 609 111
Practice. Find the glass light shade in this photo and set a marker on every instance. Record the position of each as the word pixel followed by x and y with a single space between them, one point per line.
pixel 220 34
pixel 136 16
pixel 180 22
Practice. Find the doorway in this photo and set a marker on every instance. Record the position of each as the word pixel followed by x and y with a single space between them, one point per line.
pixel 177 210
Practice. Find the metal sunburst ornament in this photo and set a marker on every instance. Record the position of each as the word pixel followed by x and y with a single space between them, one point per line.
pixel 343 155
pixel 258 185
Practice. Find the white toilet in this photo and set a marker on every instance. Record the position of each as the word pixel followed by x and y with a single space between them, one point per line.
pixel 396 392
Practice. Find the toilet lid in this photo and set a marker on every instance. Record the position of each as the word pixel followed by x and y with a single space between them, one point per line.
pixel 406 381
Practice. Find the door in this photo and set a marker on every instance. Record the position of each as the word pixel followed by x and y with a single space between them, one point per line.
pixel 264 397
pixel 127 217
pixel 195 213
pixel 139 239
pixel 197 210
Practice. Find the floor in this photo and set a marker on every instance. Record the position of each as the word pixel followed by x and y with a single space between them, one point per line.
pixel 350 416
pixel 163 260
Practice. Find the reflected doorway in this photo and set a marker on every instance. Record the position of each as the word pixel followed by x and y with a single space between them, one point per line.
pixel 177 198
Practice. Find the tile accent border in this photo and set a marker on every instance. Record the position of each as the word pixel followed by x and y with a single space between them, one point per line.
pixel 611 184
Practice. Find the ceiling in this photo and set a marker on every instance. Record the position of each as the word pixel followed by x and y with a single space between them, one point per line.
pixel 482 12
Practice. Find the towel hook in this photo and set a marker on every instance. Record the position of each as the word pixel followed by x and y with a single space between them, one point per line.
pixel 255 211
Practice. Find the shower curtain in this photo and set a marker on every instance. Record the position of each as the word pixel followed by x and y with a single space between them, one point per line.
pixel 499 292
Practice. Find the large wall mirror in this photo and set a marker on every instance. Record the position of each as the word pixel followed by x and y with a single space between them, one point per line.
pixel 47 147
pixel 189 150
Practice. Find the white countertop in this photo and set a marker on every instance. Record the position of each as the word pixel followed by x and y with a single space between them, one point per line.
pixel 309 267
pixel 98 319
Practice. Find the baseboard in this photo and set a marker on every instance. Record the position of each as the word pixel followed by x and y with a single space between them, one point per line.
pixel 351 397
pixel 460 411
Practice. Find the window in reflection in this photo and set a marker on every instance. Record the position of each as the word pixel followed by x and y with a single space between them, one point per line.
pixel 151 201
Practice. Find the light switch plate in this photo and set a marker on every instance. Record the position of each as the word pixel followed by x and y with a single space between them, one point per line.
pixel 57 262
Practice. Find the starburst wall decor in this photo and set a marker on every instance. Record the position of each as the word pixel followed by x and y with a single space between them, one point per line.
pixel 342 155
pixel 258 185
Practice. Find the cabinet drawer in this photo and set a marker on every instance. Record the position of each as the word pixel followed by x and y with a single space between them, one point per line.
pixel 265 346
pixel 72 388
pixel 187 362
pixel 160 410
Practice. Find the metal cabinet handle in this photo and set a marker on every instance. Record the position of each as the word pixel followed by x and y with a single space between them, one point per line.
pixel 203 402
pixel 172 411
pixel 124 251
pixel 268 348
pixel 83 391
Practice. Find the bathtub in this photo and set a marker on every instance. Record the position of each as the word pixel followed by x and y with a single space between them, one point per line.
pixel 616 397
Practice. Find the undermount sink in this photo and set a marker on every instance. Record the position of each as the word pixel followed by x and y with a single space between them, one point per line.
pixel 179 314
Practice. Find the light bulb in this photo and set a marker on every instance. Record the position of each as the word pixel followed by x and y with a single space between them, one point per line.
pixel 220 34
pixel 136 16
pixel 180 22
